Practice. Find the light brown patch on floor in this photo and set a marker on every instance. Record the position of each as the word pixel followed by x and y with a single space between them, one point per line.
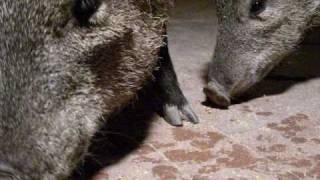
pixel 315 171
pixel 266 114
pixel 273 148
pixel 204 144
pixel 277 148
pixel 145 149
pixel 160 145
pixel 181 134
pixel 316 140
pixel 199 177
pixel 299 140
pixel 209 169
pixel 288 176
pixel 290 126
pixel 246 109
pixel 300 163
pixel 165 172
pixel 183 155
pixel 238 157
pixel 145 159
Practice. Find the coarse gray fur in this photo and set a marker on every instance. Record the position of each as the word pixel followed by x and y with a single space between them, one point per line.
pixel 248 47
pixel 58 79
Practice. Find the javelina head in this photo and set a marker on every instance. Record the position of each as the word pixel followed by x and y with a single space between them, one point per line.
pixel 63 65
pixel 254 35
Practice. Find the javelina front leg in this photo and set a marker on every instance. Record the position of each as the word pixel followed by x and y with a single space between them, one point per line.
pixel 175 107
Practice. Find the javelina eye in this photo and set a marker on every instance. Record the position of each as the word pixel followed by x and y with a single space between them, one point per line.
pixel 257 7
pixel 84 9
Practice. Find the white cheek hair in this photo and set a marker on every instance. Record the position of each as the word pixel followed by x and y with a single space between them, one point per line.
pixel 101 14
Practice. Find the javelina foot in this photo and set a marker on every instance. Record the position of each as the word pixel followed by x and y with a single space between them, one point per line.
pixel 175 107
pixel 217 94
pixel 175 114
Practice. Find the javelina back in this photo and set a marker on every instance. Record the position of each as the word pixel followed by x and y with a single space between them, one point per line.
pixel 254 35
pixel 64 65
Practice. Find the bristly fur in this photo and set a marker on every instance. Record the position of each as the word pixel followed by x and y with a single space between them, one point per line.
pixel 57 79
pixel 249 47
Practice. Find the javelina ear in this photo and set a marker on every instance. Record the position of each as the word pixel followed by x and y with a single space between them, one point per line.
pixel 84 9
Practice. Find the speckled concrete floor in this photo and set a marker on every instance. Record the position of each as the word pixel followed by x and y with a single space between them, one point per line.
pixel 273 132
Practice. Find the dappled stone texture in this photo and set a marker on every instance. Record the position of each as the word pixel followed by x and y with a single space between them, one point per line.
pixel 237 157
pixel 315 171
pixel 272 133
pixel 288 146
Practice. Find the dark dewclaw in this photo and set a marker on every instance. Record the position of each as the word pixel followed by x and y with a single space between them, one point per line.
pixel 175 107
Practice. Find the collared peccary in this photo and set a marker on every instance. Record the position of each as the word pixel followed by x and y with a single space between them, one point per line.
pixel 254 35
pixel 65 66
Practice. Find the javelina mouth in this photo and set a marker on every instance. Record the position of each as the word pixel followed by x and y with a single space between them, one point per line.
pixel 217 94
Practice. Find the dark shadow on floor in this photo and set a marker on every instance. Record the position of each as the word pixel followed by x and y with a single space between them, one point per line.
pixel 269 86
pixel 210 104
pixel 299 67
pixel 120 136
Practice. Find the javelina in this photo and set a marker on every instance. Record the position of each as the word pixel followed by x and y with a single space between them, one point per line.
pixel 254 35
pixel 66 65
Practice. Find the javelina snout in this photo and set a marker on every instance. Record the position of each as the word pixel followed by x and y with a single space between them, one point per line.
pixel 63 65
pixel 254 35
